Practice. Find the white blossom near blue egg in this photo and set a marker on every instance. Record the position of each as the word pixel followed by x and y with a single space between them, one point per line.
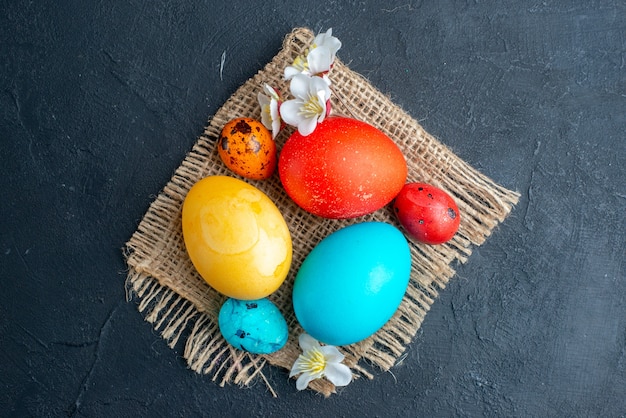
pixel 255 326
pixel 352 282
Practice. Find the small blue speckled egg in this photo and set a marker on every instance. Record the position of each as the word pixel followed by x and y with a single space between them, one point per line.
pixel 352 282
pixel 255 326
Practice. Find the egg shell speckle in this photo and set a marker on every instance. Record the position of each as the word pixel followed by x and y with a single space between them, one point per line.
pixel 352 282
pixel 255 326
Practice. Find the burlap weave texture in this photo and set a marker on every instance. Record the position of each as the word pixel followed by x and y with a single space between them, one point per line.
pixel 177 301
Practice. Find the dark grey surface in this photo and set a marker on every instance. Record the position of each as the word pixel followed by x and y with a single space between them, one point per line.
pixel 100 103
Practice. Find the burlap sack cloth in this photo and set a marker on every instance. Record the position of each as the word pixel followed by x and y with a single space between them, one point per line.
pixel 178 302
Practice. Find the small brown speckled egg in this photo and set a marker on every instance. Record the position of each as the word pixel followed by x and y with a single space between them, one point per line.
pixel 247 148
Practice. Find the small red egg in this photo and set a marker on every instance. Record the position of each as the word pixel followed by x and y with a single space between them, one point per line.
pixel 427 213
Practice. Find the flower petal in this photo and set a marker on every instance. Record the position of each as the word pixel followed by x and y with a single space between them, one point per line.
pixel 319 38
pixel 338 374
pixel 307 126
pixel 290 72
pixel 333 44
pixel 332 354
pixel 290 112
pixel 317 85
pixel 298 366
pixel 300 85
pixel 263 99
pixel 304 380
pixel 275 118
pixel 319 60
pixel 323 103
pixel 272 92
pixel 307 342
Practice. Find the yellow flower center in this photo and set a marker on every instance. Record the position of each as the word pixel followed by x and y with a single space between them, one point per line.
pixel 301 63
pixel 311 108
pixel 315 362
pixel 267 111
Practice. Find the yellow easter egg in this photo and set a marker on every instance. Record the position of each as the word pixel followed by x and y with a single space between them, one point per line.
pixel 236 237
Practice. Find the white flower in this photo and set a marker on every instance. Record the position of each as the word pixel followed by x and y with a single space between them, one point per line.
pixel 318 59
pixel 327 40
pixel 310 106
pixel 318 361
pixel 270 116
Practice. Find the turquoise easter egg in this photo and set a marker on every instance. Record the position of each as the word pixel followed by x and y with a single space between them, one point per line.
pixel 255 326
pixel 352 282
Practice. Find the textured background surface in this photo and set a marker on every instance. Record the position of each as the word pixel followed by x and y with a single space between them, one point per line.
pixel 100 103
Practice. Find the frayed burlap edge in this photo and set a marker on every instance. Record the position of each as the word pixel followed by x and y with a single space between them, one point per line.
pixel 183 308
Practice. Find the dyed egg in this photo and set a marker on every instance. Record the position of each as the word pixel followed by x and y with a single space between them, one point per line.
pixel 427 213
pixel 247 148
pixel 346 168
pixel 255 326
pixel 236 237
pixel 352 282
